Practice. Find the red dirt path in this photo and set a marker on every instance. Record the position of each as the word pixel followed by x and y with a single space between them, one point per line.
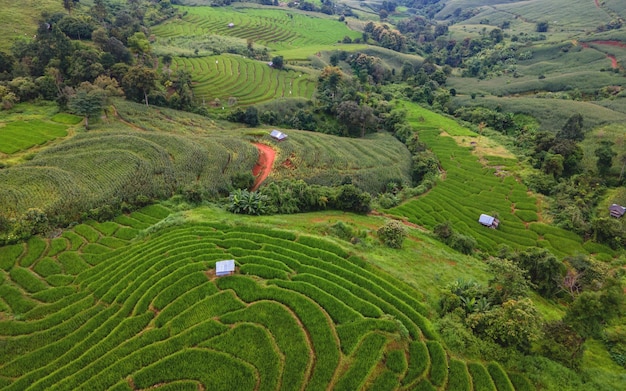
pixel 597 3
pixel 263 167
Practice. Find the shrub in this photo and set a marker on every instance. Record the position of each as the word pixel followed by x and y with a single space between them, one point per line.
pixel 392 234
pixel 463 243
pixel 242 180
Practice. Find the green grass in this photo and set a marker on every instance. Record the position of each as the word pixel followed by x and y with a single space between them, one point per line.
pixel 16 23
pixel 221 78
pixel 21 135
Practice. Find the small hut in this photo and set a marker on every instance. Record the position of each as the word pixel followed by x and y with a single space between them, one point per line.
pixel 617 211
pixel 231 25
pixel 225 268
pixel 488 221
pixel 278 135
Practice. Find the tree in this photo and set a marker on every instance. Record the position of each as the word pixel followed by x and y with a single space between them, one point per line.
pixel 585 314
pixel 509 281
pixel 251 116
pixel 543 269
pixel 87 102
pixel 562 343
pixel 392 233
pixel 278 62
pixel 138 82
pixel 139 45
pixel 573 129
pixel 357 119
pixel 351 198
pixel 516 324
pixel 605 156
pixel 542 27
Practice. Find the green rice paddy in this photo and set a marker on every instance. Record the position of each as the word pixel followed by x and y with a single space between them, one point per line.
pixel 104 306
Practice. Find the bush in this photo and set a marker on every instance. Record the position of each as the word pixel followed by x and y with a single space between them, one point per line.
pixel 463 243
pixel 242 180
pixel 392 234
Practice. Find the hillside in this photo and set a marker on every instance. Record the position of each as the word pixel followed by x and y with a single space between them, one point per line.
pixel 126 309
pixel 137 151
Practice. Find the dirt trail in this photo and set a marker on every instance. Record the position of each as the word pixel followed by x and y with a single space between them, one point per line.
pixel 597 3
pixel 263 167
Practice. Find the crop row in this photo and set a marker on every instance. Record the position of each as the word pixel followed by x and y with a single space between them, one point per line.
pixel 142 305
pixel 273 28
pixel 249 81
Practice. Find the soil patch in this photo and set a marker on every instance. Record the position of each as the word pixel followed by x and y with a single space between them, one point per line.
pixel 263 166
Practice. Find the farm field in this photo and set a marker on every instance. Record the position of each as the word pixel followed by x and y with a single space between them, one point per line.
pixel 162 151
pixel 231 76
pixel 134 303
pixel 552 114
pixel 20 135
pixel 14 23
pixel 274 28
pixel 471 188
pixel 567 17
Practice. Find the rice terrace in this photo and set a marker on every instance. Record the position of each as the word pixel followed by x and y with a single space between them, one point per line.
pixel 313 195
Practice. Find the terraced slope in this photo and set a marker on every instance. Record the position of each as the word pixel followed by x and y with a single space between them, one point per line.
pixel 231 76
pixel 95 309
pixel 91 168
pixel 274 28
pixel 471 188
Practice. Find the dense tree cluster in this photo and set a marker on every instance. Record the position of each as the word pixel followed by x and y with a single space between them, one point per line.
pixel 59 60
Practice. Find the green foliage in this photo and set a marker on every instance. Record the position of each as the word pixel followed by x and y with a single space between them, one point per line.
pixel 515 324
pixel 247 202
pixel 392 233
pixel 562 344
pixel 350 198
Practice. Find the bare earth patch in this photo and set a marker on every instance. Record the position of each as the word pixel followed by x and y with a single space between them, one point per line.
pixel 264 165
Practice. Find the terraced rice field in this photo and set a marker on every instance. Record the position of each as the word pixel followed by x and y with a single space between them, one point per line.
pixel 274 28
pixel 101 308
pixel 20 135
pixel 248 81
pixel 471 188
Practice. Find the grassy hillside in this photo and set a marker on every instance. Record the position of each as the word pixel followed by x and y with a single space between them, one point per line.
pixel 19 19
pixel 552 113
pixel 472 187
pixel 159 152
pixel 229 76
pixel 128 311
pixel 274 28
